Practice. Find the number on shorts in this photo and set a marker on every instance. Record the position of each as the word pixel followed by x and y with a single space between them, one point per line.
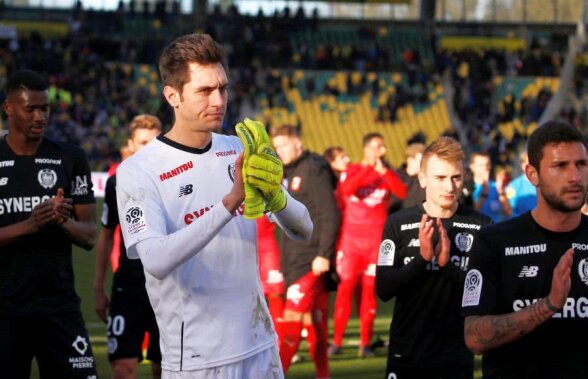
pixel 116 325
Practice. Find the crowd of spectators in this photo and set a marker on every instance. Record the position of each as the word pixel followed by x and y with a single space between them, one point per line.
pixel 95 93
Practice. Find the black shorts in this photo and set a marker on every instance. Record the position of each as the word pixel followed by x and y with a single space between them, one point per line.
pixel 402 372
pixel 130 317
pixel 59 342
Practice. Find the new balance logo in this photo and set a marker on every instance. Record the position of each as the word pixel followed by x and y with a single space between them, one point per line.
pixel 186 190
pixel 529 272
pixel 414 243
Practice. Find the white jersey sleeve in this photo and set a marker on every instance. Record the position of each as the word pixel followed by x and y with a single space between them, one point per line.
pixel 144 228
pixel 294 219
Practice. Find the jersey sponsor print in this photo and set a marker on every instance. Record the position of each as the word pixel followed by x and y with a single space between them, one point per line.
pixel 427 330
pixel 513 262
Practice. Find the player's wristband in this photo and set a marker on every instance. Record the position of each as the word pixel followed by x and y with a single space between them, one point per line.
pixel 550 306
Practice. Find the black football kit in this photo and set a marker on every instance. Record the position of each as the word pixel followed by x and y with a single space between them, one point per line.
pixel 130 313
pixel 426 333
pixel 511 267
pixel 39 309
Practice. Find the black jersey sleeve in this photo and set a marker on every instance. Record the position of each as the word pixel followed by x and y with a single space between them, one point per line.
pixel 393 274
pixel 481 281
pixel 110 210
pixel 327 215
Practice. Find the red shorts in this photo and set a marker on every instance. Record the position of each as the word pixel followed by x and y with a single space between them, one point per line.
pixel 305 295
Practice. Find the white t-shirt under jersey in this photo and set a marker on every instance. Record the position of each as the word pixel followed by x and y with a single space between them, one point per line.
pixel 210 309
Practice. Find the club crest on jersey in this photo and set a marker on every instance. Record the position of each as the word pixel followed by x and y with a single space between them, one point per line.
pixel 47 178
pixel 464 241
pixel 231 171
pixel 387 251
pixel 583 270
pixel 295 183
pixel 472 289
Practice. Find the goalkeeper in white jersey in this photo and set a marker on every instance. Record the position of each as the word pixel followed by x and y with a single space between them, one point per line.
pixel 187 204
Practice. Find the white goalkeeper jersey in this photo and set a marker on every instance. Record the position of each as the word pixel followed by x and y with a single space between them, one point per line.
pixel 210 309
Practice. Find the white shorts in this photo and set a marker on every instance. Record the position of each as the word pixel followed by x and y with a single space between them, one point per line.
pixel 265 364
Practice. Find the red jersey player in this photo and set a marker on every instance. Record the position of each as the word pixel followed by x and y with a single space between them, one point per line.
pixel 365 188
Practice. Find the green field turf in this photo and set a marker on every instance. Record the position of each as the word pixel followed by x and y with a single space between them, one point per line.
pixel 344 366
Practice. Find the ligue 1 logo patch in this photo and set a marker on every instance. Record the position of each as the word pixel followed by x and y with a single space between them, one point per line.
pixel 135 220
pixel 583 270
pixel 47 178
pixel 387 251
pixel 231 171
pixel 472 289
pixel 464 241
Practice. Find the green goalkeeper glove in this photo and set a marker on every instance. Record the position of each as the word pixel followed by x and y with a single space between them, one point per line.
pixel 265 172
pixel 254 204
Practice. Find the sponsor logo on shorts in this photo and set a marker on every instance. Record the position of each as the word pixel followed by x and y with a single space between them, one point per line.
pixel 464 241
pixel 387 251
pixel 524 250
pixel 466 226
pixel 82 362
pixel 274 277
pixel 80 344
pixel 414 225
pixel 225 153
pixel 583 270
pixel 293 294
pixel 529 272
pixel 135 219
pixel 573 307
pixel 176 171
pixel 47 178
pixel 472 289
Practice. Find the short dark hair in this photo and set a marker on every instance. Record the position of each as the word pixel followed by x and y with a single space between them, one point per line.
pixel 191 48
pixel 370 136
pixel 25 80
pixel 551 132
pixel 331 153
